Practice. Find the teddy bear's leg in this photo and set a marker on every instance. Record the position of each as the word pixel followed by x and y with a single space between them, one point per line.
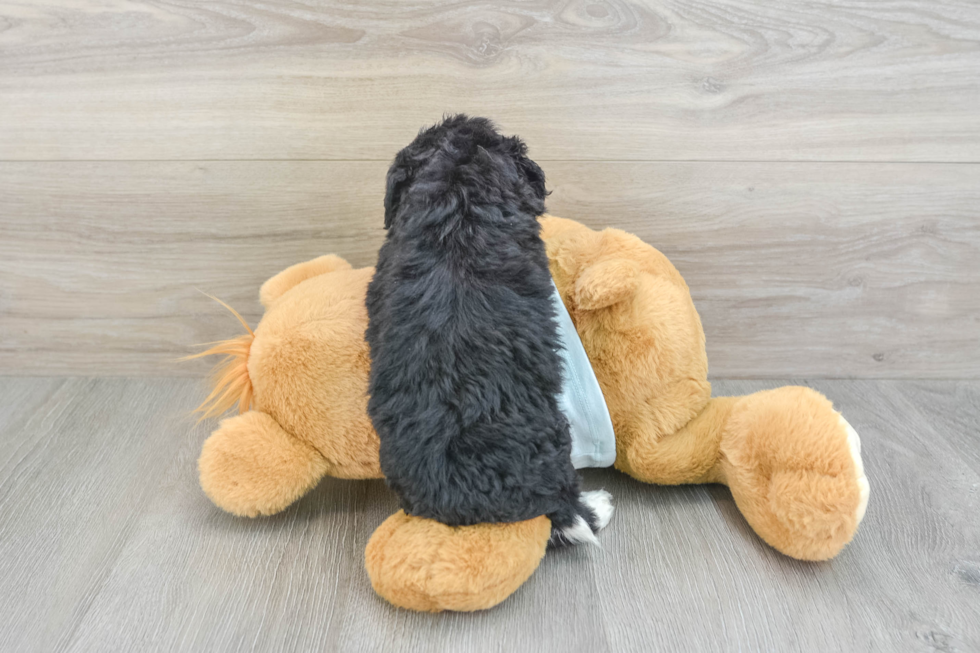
pixel 292 276
pixel 250 466
pixel 423 565
pixel 688 455
pixel 794 467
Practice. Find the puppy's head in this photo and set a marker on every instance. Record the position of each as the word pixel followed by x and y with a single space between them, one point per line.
pixel 466 161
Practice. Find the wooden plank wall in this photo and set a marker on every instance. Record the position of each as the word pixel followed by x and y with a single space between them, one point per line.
pixel 811 168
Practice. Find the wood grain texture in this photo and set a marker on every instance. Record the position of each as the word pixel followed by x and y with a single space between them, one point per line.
pixel 818 270
pixel 78 460
pixel 108 544
pixel 603 79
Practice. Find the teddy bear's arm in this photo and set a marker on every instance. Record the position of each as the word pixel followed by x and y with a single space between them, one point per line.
pixel 292 276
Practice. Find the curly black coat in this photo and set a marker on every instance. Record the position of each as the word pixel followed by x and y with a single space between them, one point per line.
pixel 465 369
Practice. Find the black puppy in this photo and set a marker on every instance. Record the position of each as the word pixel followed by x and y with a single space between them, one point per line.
pixel 465 366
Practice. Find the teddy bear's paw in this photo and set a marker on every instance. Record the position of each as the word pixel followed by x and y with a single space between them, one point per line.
pixel 819 508
pixel 250 466
pixel 794 467
pixel 424 565
pixel 816 512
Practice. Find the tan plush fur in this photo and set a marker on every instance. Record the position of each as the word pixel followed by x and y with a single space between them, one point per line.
pixel 421 564
pixel 785 453
pixel 304 373
pixel 286 280
pixel 799 493
pixel 251 456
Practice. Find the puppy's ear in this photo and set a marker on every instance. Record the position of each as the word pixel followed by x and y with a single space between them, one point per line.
pixel 397 181
pixel 534 175
pixel 531 171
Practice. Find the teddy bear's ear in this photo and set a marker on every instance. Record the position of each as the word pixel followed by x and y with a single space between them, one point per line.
pixel 279 285
pixel 606 283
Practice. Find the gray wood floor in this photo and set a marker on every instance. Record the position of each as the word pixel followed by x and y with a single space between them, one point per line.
pixel 107 544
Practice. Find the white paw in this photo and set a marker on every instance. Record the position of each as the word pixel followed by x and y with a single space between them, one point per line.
pixel 579 533
pixel 854 443
pixel 600 502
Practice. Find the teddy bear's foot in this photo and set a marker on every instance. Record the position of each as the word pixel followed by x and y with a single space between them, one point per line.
pixel 250 466
pixel 794 468
pixel 423 565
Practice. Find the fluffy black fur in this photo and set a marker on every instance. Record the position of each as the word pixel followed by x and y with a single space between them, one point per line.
pixel 465 370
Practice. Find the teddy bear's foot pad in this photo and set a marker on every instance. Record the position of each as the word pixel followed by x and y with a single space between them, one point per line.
pixel 854 444
pixel 424 565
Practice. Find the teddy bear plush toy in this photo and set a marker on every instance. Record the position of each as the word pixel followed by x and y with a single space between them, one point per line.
pixel 300 380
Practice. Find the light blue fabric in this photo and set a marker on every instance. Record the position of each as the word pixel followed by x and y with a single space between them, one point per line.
pixel 593 440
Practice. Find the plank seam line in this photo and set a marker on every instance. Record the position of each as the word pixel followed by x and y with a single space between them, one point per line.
pixel 540 160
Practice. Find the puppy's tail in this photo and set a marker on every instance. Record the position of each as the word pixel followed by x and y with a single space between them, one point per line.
pixel 230 383
pixel 589 515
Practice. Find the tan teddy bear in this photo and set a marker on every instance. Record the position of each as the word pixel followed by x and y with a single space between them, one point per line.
pixel 793 464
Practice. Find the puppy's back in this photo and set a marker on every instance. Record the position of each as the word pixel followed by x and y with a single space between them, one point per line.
pixel 465 366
